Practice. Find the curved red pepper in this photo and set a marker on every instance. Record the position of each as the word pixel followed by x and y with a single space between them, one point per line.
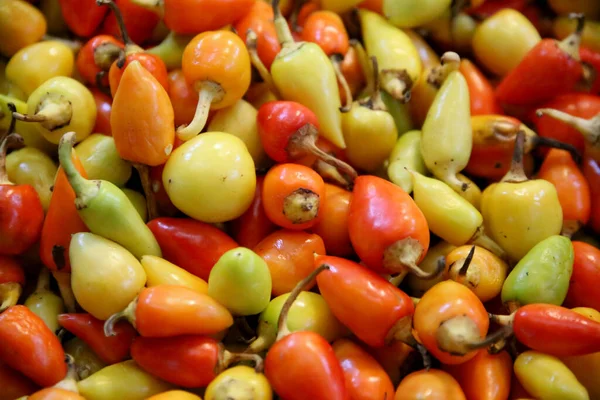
pixel 14 384
pixel 556 330
pixel 140 21
pixel 187 361
pixel 581 105
pixel 193 245
pixel 253 225
pixel 481 93
pixel 585 280
pixel 549 69
pixel 110 349
pixel 21 211
pixel 28 346
pixel 82 17
pixel 260 20
pixel 592 59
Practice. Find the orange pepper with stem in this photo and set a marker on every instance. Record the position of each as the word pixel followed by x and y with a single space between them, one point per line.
pixel 254 225
pixel 365 377
pixel 573 190
pixel 217 65
pixel 132 52
pixel 351 67
pixel 140 22
pixel 96 57
pixel 171 310
pixel 289 256
pixel 293 195
pixel 484 377
pixel 260 20
pixel 429 384
pixel 190 17
pixel 333 226
pixel 481 91
pixel 142 124
pixel 451 322
pixel 12 280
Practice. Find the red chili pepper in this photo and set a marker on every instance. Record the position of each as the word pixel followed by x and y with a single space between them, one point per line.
pixel 371 307
pixel 170 310
pixel 140 22
pixel 481 91
pixel 190 17
pixel 580 105
pixel 254 225
pixel 103 109
pixel 12 279
pixel 21 211
pixel 82 17
pixel 388 231
pixel 555 330
pixel 14 384
pixel 96 57
pixel 549 69
pixel 260 20
pixel 110 349
pixel 591 171
pixel 592 59
pixel 30 347
pixel 583 286
pixel 193 245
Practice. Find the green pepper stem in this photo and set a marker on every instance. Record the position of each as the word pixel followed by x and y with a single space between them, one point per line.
pixel 335 62
pixel 208 91
pixel 570 44
pixel 83 188
pixel 282 329
pixel 589 128
pixel 284 35
pixel 13 140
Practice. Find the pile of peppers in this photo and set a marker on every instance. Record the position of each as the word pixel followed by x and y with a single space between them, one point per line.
pixel 299 199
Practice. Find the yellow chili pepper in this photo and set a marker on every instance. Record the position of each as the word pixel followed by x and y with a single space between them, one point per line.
pixel 239 382
pixel 502 40
pixel 125 380
pixel 302 72
pixel 30 166
pixel 162 272
pixel 45 303
pixel 406 156
pixel 100 159
pixel 546 377
pixel 409 13
pixel 138 201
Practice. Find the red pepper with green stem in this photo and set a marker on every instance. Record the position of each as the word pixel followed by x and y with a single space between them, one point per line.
pixel 21 211
pixel 30 347
pixel 552 330
pixel 12 279
pixel 193 245
pixel 110 349
pixel 549 69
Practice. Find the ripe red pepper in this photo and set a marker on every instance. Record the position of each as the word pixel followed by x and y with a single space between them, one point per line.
pixel 103 110
pixel 549 69
pixel 481 92
pixel 260 20
pixel 592 59
pixel 30 347
pixel 140 21
pixel 555 330
pixel 21 211
pixel 580 105
pixel 585 280
pixel 189 17
pixel 110 349
pixel 253 225
pixel 82 17
pixel 14 384
pixel 96 57
pixel 193 245
pixel 12 279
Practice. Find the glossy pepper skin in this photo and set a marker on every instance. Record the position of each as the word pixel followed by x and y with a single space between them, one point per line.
pixel 481 91
pixel 193 245
pixel 260 20
pixel 112 349
pixel 584 281
pixel 14 384
pixel 194 16
pixel 21 211
pixel 28 346
pixel 82 17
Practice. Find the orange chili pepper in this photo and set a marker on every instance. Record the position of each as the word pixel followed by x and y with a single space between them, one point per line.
pixel 30 347
pixel 183 97
pixel 481 92
pixel 365 378
pixel 254 225
pixel 351 68
pixel 14 384
pixel 190 17
pixel 305 11
pixel 290 257
pixel 96 56
pixel 326 29
pixel 170 310
pixel 62 221
pixel 103 110
pixel 333 226
pixel 260 20
pixel 392 358
pixel 450 321
pixel 429 384
pixel 572 188
pixel 292 196
pixel 217 65
pixel 485 377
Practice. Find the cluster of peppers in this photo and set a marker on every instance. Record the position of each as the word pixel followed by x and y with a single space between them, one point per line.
pixel 307 219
